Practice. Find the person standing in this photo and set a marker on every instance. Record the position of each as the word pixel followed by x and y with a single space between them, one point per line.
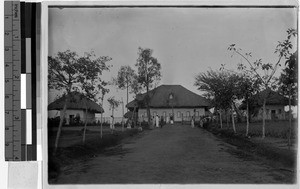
pixel 156 121
pixel 153 121
pixel 161 121
pixel 193 122
pixel 112 127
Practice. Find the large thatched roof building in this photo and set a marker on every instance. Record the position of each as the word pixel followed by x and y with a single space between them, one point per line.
pixel 76 107
pixel 168 100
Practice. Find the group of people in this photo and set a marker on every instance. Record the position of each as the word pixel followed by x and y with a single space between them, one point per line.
pixel 158 122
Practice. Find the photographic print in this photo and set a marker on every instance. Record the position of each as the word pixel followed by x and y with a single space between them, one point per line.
pixel 172 94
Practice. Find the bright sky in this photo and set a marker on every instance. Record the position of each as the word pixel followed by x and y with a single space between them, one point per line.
pixel 186 41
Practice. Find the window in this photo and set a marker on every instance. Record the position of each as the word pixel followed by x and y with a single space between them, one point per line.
pixel 178 114
pixel 188 114
pixel 197 114
pixel 279 111
pixel 154 114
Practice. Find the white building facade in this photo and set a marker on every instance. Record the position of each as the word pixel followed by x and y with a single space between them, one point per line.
pixel 273 112
pixel 170 102
pixel 180 114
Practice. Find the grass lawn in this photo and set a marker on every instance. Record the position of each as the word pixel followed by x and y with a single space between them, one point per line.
pixel 68 154
pixel 274 147
pixel 276 129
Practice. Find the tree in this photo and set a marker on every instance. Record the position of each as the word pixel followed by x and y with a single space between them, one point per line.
pixel 125 79
pixel 220 88
pixel 148 72
pixel 289 85
pixel 103 92
pixel 264 72
pixel 113 104
pixel 91 68
pixel 66 73
pixel 247 86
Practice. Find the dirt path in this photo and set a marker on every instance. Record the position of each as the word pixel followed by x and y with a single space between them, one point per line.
pixel 173 154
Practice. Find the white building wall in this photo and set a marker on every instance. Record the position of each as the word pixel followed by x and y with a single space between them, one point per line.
pixel 279 112
pixel 166 112
pixel 90 116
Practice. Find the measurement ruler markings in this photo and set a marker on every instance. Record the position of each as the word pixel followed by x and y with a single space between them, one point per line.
pixel 12 50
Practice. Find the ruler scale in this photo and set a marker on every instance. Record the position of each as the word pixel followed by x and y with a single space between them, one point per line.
pixel 12 60
pixel 20 59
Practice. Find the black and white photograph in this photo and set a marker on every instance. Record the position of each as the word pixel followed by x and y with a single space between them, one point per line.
pixel 172 94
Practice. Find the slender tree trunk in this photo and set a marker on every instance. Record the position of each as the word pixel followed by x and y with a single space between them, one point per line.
pixel 85 125
pixel 247 117
pixel 232 116
pixel 101 129
pixel 290 119
pixel 112 120
pixel 62 116
pixel 238 113
pixel 148 107
pixel 133 117
pixel 264 118
pixel 227 120
pixel 123 114
pixel 221 120
pixel 127 95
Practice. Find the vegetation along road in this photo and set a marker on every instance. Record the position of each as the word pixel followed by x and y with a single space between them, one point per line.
pixel 172 154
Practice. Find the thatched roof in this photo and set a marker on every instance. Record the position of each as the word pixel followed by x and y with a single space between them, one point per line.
pixel 77 102
pixel 160 98
pixel 273 98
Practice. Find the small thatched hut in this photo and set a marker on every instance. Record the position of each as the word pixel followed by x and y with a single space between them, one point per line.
pixel 274 105
pixel 76 108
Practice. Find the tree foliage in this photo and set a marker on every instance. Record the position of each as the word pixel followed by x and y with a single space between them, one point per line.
pixel 148 73
pixel 288 79
pixel 148 67
pixel 264 71
pixel 113 103
pixel 68 72
pixel 219 87
pixel 125 77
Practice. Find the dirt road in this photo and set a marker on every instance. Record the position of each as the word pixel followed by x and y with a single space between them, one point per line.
pixel 173 154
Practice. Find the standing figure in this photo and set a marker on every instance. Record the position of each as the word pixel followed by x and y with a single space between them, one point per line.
pixel 193 122
pixel 161 121
pixel 153 121
pixel 156 121
pixel 112 127
pixel 172 119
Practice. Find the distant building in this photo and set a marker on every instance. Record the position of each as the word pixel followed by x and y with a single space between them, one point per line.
pixel 274 105
pixel 76 108
pixel 170 101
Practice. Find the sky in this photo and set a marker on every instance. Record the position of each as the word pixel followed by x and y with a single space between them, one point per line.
pixel 186 41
